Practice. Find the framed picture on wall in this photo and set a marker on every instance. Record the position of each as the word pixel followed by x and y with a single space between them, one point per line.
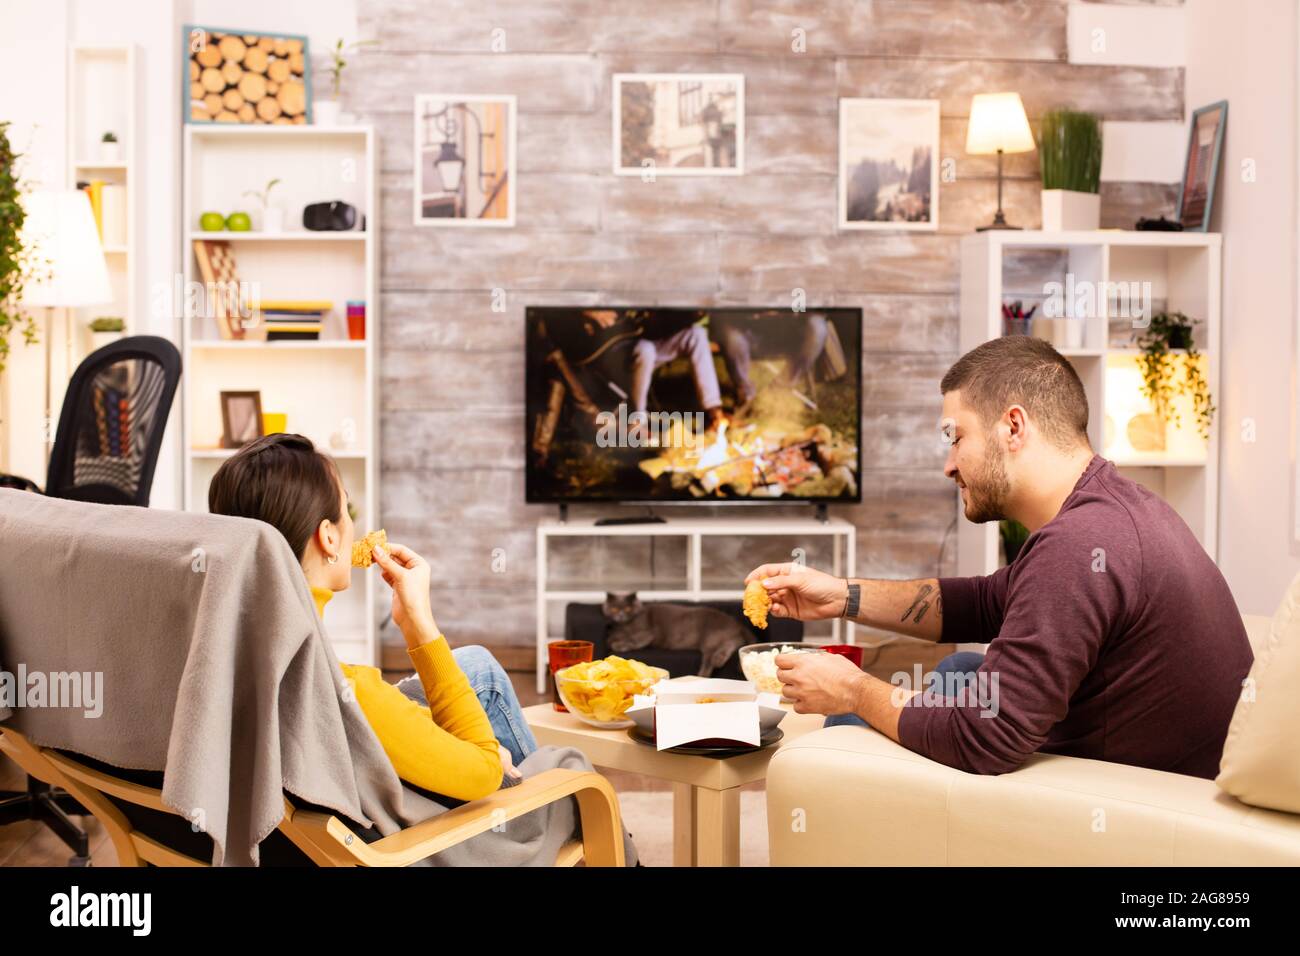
pixel 679 124
pixel 1201 168
pixel 243 76
pixel 241 418
pixel 889 174
pixel 464 160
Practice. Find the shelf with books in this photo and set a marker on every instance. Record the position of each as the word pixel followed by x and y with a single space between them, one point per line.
pixel 319 286
pixel 101 138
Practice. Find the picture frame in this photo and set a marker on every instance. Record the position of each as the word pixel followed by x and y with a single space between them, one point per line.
pixel 678 124
pixel 241 418
pixel 886 144
pixel 1201 166
pixel 461 181
pixel 247 77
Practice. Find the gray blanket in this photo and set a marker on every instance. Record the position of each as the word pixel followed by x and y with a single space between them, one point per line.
pixel 216 670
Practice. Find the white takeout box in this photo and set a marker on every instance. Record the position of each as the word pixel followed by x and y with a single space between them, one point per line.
pixel 680 719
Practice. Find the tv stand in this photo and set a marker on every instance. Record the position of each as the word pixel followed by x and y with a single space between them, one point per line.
pixel 688 582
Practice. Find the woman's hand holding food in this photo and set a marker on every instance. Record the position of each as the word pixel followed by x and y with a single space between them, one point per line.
pixel 801 592
pixel 408 575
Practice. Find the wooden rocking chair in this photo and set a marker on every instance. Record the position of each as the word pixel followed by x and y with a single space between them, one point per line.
pixel 322 837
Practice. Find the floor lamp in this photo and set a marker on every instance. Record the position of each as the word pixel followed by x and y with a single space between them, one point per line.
pixel 68 267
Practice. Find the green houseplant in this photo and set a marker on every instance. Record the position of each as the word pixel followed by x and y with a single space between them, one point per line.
pixel 326 112
pixel 1014 535
pixel 15 260
pixel 106 329
pixel 110 150
pixel 1069 154
pixel 1170 333
pixel 272 219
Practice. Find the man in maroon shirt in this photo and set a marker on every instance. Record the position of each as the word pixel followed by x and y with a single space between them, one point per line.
pixel 1112 635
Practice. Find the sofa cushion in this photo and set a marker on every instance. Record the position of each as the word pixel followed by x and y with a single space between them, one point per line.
pixel 1261 762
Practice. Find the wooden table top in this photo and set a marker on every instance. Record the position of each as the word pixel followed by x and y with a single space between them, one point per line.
pixel 615 750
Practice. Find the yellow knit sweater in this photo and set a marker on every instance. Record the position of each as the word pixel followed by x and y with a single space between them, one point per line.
pixel 447 747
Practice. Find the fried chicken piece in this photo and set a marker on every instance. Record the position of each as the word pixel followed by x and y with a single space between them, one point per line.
pixel 363 551
pixel 756 603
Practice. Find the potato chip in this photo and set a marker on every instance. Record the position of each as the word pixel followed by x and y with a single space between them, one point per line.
pixel 603 690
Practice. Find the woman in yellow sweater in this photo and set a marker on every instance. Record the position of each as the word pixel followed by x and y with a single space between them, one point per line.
pixel 461 729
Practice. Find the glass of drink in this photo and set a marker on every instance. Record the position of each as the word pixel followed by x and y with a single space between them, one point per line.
pixel 565 654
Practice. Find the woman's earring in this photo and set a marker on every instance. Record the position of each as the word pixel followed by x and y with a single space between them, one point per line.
pixel 332 559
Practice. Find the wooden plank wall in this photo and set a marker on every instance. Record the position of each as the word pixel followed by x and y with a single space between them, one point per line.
pixel 451 368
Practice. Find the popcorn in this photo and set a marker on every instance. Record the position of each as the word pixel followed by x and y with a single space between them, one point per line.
pixel 760 670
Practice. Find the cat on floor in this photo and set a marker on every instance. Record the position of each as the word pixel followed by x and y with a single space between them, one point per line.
pixel 673 627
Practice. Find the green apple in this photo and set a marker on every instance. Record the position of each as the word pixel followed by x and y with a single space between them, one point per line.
pixel 212 222
pixel 239 222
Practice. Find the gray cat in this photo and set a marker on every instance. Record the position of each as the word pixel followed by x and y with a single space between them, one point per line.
pixel 674 627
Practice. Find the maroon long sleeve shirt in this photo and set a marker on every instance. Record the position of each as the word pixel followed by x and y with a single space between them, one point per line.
pixel 1112 636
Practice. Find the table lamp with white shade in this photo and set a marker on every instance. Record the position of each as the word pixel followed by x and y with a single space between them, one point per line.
pixel 998 125
pixel 68 264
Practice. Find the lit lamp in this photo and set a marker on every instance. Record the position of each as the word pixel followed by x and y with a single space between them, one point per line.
pixel 68 265
pixel 998 125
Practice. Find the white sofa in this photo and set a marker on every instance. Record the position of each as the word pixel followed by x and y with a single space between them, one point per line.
pixel 848 796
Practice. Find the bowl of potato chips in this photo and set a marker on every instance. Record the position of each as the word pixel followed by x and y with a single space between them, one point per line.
pixel 600 692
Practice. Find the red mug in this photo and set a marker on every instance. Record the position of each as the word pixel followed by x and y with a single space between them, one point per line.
pixel 852 651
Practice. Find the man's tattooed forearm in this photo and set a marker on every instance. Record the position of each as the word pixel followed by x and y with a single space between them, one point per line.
pixel 922 603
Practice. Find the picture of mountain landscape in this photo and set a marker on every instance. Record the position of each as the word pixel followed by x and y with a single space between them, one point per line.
pixel 888 176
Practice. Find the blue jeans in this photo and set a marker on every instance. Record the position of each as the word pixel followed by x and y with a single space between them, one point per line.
pixel 492 686
pixel 962 662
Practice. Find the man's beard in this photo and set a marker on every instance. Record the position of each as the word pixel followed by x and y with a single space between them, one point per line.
pixel 987 491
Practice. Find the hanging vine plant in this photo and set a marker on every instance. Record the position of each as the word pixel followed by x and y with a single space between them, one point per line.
pixel 1170 332
pixel 14 259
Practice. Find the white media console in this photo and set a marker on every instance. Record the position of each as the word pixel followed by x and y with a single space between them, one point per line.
pixel 693 531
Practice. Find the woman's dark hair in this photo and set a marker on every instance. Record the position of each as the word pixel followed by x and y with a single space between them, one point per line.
pixel 282 480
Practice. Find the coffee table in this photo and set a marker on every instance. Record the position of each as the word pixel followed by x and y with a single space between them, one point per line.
pixel 706 790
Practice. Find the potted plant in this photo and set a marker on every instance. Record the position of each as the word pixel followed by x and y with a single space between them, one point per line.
pixel 110 150
pixel 106 329
pixel 1069 152
pixel 1168 334
pixel 1013 535
pixel 326 112
pixel 272 217
pixel 15 259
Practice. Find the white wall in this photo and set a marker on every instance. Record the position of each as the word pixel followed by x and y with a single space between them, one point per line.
pixel 1245 52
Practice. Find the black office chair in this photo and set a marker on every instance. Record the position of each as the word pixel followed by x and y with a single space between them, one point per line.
pixel 112 422
pixel 105 450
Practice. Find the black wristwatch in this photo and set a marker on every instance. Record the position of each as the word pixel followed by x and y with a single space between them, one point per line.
pixel 853 599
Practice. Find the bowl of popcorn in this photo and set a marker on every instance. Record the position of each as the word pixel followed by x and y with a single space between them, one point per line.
pixel 600 692
pixel 758 662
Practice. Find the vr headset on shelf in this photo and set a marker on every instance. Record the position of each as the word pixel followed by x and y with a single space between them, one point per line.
pixel 335 216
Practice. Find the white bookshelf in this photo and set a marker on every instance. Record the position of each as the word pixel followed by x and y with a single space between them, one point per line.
pixel 326 387
pixel 1184 270
pixel 102 91
pixel 692 532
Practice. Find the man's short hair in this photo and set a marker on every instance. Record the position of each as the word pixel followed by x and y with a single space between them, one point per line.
pixel 1027 371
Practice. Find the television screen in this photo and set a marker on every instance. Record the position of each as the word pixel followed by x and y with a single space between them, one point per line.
pixel 707 405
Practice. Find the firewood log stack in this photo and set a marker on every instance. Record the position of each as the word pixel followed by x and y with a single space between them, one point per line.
pixel 247 78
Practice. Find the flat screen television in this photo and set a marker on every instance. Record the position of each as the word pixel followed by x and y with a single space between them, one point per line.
pixel 692 405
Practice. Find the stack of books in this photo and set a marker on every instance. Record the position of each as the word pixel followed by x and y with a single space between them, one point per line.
pixel 286 319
